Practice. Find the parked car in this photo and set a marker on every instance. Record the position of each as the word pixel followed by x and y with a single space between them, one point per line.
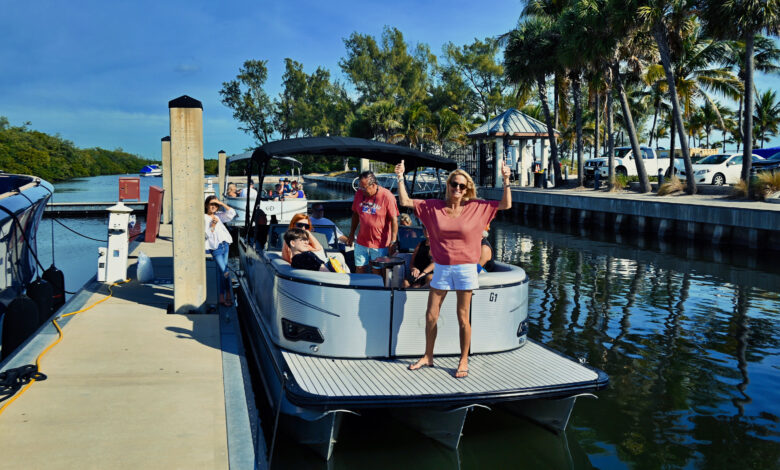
pixel 718 169
pixel 624 163
pixel 770 164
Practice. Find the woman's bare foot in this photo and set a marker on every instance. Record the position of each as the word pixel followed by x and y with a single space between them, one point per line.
pixel 424 362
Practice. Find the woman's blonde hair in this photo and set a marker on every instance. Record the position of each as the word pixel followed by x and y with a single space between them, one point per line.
pixel 298 217
pixel 471 190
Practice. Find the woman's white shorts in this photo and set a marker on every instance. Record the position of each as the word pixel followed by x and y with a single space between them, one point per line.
pixel 455 277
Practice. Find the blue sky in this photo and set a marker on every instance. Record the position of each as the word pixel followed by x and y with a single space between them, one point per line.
pixel 102 73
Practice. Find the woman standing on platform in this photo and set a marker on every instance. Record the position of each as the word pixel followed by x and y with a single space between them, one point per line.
pixel 455 228
pixel 218 242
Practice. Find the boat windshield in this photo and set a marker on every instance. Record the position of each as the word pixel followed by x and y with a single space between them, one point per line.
pixel 714 159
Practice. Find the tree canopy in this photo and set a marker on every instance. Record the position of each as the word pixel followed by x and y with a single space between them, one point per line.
pixel 52 158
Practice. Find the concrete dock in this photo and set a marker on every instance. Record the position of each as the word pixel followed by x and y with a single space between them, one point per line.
pixel 714 219
pixel 131 386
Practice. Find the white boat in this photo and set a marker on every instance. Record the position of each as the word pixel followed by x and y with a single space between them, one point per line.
pixel 328 344
pixel 276 211
pixel 151 170
pixel 22 202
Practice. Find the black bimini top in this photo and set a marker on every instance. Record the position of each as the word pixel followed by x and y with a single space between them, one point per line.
pixel 352 147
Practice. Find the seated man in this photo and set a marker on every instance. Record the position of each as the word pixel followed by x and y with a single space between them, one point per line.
pixel 277 194
pixel 250 191
pixel 318 218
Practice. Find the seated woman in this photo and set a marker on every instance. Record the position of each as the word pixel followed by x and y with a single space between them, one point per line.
pixel 231 190
pixel 298 243
pixel 422 265
pixel 301 221
pixel 486 255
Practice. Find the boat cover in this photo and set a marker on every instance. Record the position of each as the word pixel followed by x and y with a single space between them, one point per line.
pixel 352 147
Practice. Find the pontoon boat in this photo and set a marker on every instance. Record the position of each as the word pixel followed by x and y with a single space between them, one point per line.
pixel 329 344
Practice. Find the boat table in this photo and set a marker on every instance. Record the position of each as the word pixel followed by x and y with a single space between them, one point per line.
pixel 394 277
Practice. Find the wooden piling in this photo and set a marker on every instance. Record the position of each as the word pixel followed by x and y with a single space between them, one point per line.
pixel 189 265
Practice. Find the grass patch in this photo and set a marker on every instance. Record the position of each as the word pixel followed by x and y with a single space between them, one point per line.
pixel 674 185
pixel 739 190
pixel 766 184
pixel 620 183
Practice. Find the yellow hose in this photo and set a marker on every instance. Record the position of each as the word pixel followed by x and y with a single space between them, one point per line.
pixel 59 330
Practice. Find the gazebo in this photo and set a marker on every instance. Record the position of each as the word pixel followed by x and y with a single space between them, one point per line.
pixel 511 135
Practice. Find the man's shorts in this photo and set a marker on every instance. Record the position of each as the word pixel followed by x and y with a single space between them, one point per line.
pixel 455 277
pixel 364 255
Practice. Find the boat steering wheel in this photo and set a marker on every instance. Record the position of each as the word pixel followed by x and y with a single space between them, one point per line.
pixel 356 184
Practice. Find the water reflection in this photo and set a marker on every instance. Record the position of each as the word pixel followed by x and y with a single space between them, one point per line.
pixel 689 343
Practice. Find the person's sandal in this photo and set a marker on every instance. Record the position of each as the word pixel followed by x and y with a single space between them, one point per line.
pixel 465 373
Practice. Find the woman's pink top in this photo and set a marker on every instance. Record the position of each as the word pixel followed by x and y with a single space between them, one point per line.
pixel 455 240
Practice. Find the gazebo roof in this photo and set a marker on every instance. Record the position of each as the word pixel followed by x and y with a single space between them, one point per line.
pixel 512 123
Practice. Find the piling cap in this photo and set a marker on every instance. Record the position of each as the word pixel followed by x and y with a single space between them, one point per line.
pixel 221 151
pixel 185 101
pixel 167 138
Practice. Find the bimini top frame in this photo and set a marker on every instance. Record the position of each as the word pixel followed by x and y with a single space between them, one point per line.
pixel 341 147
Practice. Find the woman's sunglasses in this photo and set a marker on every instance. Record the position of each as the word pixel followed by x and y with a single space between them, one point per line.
pixel 455 185
pixel 302 225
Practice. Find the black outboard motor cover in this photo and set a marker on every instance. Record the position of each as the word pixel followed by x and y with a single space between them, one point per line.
pixel 21 320
pixel 42 293
pixel 57 280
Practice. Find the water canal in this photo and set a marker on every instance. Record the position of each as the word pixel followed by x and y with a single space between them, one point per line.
pixel 690 337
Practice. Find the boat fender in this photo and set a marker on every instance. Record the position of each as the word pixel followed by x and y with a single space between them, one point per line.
pixel 42 293
pixel 57 280
pixel 21 320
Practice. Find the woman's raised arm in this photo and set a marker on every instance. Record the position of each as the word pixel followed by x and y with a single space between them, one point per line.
pixel 403 198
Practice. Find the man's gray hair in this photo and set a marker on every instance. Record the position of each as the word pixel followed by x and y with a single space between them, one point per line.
pixel 369 176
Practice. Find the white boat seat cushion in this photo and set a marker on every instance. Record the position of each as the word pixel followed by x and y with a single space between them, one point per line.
pixel 284 268
pixel 502 274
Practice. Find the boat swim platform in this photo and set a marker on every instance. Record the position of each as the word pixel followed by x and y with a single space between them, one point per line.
pixel 130 386
pixel 531 371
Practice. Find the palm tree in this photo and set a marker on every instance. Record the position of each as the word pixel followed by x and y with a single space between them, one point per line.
pixel 571 57
pixel 658 14
pixel 743 20
pixel 414 125
pixel 657 91
pixel 382 117
pixel 446 125
pixel 529 56
pixel 767 117
pixel 766 56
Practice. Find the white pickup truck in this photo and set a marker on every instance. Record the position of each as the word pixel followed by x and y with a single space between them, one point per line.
pixel 624 163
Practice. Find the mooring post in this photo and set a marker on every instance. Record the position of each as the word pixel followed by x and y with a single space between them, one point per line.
pixel 189 261
pixel 167 175
pixel 221 176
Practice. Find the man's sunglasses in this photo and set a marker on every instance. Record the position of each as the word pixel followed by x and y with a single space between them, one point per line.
pixel 455 185
pixel 302 225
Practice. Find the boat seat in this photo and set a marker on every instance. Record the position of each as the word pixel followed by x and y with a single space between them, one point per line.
pixel 349 279
pixel 502 274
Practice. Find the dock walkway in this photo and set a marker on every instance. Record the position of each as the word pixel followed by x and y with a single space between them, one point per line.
pixel 130 386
